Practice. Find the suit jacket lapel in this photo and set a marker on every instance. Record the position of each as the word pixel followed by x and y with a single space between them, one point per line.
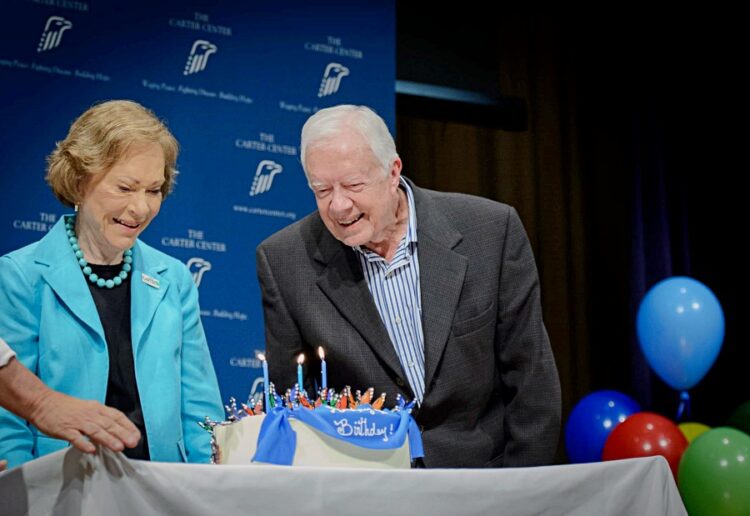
pixel 344 284
pixel 64 276
pixel 441 278
pixel 148 288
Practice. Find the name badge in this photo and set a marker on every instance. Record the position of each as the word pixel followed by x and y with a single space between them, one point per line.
pixel 148 280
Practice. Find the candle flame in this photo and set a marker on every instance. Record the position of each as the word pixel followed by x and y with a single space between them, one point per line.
pixel 261 357
pixel 301 358
pixel 321 353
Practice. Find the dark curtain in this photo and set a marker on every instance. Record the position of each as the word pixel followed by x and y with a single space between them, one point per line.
pixel 630 172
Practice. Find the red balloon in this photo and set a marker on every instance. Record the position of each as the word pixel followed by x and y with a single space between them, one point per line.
pixel 646 434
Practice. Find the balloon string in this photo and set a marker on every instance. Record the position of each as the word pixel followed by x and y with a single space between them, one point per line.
pixel 684 408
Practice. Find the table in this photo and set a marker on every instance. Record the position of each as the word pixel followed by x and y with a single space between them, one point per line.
pixel 69 482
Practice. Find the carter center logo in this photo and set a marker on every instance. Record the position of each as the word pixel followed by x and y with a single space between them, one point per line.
pixel 52 33
pixel 332 79
pixel 198 58
pixel 198 267
pixel 264 176
pixel 256 391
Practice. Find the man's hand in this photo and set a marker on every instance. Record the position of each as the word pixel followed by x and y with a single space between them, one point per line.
pixel 64 417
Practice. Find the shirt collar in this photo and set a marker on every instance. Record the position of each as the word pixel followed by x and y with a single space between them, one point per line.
pixel 411 230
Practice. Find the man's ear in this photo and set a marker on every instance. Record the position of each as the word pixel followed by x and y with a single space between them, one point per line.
pixel 395 171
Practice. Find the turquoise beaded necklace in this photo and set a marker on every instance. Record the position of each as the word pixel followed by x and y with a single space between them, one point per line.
pixel 70 225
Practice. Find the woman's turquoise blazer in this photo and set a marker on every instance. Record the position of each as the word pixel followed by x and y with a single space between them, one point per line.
pixel 47 315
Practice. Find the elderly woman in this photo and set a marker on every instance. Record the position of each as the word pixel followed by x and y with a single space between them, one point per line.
pixel 96 313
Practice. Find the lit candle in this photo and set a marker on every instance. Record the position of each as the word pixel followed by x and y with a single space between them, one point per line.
pixel 266 386
pixel 300 361
pixel 323 370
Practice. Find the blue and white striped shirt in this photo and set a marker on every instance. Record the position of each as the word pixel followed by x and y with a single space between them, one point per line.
pixel 395 289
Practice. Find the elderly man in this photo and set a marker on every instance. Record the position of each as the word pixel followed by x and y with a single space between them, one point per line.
pixel 433 296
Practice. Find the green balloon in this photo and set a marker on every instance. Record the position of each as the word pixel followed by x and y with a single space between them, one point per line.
pixel 714 476
pixel 740 418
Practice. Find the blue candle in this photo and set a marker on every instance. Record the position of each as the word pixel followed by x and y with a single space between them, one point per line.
pixel 323 369
pixel 300 360
pixel 266 386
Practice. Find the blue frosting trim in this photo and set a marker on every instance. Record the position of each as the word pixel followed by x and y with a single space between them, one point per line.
pixel 363 426
pixel 277 441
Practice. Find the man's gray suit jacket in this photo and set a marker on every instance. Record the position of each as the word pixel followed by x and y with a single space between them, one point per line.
pixel 492 393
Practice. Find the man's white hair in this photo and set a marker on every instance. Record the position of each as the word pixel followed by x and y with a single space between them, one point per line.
pixel 329 123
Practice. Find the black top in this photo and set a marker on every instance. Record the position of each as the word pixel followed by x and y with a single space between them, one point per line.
pixel 113 306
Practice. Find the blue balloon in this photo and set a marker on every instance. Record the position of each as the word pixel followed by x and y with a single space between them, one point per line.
pixel 591 422
pixel 680 328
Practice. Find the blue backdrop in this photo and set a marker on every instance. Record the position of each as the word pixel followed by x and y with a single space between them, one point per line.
pixel 235 81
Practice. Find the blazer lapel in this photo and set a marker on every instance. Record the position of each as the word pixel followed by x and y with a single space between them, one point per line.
pixel 147 288
pixel 344 284
pixel 441 277
pixel 64 276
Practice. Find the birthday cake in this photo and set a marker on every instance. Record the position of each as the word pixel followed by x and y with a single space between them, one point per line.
pixel 336 430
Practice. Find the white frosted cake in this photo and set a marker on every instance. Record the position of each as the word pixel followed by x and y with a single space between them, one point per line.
pixel 237 443
pixel 324 435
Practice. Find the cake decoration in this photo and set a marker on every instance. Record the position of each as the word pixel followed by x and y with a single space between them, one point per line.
pixel 358 419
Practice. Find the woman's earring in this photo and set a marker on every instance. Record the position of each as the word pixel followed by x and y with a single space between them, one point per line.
pixel 76 208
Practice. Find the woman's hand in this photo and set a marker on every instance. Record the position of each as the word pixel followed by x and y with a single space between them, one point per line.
pixel 65 417
pixel 61 416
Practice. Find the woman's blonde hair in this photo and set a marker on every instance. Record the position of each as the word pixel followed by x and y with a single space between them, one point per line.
pixel 98 139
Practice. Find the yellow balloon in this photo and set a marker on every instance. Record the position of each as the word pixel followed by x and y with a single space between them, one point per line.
pixel 692 430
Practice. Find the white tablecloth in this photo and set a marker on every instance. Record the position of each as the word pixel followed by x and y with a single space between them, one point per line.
pixel 70 483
